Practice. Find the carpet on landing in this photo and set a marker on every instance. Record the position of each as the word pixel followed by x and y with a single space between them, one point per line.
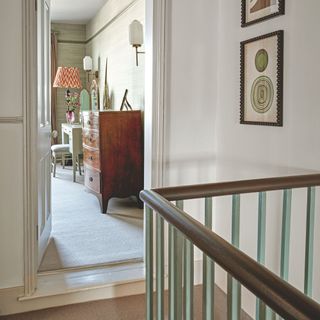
pixel 82 236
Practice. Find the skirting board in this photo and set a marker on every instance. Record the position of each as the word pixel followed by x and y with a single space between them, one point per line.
pixel 9 303
pixel 66 288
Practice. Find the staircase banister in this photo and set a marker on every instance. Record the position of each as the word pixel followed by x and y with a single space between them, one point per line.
pixel 283 298
pixel 238 187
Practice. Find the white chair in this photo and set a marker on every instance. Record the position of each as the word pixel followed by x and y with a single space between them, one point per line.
pixel 59 151
pixel 62 151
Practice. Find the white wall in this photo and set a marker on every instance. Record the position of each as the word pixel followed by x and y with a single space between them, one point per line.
pixel 11 207
pixel 204 139
pixel 11 144
pixel 113 44
pixel 246 151
pixel 262 150
pixel 191 90
pixel 11 59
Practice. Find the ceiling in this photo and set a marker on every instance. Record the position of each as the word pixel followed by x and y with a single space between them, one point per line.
pixel 75 11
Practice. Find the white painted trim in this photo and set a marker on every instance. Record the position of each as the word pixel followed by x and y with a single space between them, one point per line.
pixel 11 120
pixel 9 304
pixel 84 280
pixel 58 289
pixel 155 74
pixel 159 95
pixel 30 125
pixel 30 142
pixel 91 267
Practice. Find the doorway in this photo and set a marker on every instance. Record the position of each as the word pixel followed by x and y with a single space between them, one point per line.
pixel 153 129
pixel 81 235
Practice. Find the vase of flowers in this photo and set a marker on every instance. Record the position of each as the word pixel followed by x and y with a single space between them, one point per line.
pixel 70 116
pixel 72 104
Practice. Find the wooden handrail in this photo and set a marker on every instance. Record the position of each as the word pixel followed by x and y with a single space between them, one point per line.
pixel 283 298
pixel 238 187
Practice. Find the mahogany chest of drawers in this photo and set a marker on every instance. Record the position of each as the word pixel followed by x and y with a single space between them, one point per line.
pixel 113 154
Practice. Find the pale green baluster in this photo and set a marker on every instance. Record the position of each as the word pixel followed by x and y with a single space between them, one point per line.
pixel 149 262
pixel 170 272
pixel 208 271
pixel 234 289
pixel 188 275
pixel 261 252
pixel 179 204
pixel 285 235
pixel 308 274
pixel 175 273
pixel 270 314
pixel 179 274
pixel 160 267
pixel 188 279
pixel 285 239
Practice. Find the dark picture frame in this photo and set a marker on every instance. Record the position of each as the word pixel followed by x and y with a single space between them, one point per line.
pixel 261 80
pixel 260 15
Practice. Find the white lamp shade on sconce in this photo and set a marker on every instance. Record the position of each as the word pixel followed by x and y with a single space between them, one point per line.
pixel 136 33
pixel 87 63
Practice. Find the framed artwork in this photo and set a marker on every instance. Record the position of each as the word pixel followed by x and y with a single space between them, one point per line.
pixel 94 92
pixel 125 103
pixel 254 11
pixel 262 80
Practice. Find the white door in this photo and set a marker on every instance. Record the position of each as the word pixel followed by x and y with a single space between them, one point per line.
pixel 44 126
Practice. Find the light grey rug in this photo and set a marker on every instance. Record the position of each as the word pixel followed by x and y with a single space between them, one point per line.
pixel 82 236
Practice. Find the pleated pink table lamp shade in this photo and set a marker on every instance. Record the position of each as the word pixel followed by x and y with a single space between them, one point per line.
pixel 67 77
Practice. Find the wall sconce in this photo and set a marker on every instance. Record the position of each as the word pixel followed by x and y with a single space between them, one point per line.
pixel 136 37
pixel 87 67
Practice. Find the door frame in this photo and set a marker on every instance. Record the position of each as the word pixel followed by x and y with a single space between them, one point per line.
pixel 154 119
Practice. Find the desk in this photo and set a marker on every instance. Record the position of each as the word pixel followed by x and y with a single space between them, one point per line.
pixel 72 134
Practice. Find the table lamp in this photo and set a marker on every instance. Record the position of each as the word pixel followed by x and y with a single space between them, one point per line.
pixel 68 77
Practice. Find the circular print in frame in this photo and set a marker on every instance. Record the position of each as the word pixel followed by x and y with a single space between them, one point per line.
pixel 262 94
pixel 261 60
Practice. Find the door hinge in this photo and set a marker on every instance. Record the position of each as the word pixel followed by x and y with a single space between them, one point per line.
pixel 37 232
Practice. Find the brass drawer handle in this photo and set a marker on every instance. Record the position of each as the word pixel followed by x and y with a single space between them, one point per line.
pixel 90 179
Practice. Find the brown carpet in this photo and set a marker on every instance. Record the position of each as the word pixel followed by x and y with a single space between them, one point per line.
pixel 127 308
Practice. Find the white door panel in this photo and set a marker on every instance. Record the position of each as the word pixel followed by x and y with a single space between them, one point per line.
pixel 44 127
